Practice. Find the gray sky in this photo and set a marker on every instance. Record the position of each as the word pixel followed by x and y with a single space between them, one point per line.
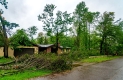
pixel 25 12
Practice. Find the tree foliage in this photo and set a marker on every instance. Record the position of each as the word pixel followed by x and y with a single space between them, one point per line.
pixel 5 28
pixel 83 20
pixel 55 25
pixel 20 38
pixel 23 37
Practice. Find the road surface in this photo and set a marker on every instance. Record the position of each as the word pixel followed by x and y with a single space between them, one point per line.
pixel 109 70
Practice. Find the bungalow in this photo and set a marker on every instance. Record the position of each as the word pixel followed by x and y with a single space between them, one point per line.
pixel 49 48
pixel 66 49
pixel 35 49
pixel 25 50
pixel 19 51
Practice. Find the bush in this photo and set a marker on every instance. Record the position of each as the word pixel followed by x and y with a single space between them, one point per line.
pixel 61 64
pixel 33 61
pixel 47 61
pixel 77 55
pixel 23 58
pixel 93 53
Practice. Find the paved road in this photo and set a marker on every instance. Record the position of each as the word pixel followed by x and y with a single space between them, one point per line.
pixel 110 70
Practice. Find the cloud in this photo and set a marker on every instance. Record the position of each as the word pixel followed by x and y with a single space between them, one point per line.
pixel 25 12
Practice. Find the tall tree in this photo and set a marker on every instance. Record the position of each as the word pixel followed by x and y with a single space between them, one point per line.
pixel 32 31
pixel 106 30
pixel 4 28
pixel 55 25
pixel 80 24
pixel 91 19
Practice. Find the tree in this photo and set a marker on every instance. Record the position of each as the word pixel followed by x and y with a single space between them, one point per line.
pixel 32 31
pixel 91 19
pixel 79 14
pixel 106 29
pixel 4 28
pixel 55 25
pixel 83 19
pixel 67 41
pixel 42 38
pixel 22 38
pixel 118 38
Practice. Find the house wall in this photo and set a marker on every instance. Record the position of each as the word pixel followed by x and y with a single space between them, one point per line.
pixel 59 51
pixel 68 50
pixel 35 48
pixel 49 50
pixel 11 51
pixel 64 50
pixel 1 52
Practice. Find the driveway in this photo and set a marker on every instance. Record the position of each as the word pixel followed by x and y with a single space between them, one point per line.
pixel 109 70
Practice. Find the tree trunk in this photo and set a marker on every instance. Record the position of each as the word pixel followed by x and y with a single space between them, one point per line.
pixel 6 51
pixel 103 40
pixel 5 38
pixel 89 43
pixel 101 47
pixel 57 38
pixel 78 37
pixel 5 42
pixel 101 44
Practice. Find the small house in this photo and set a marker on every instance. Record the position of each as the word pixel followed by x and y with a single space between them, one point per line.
pixel 49 48
pixel 35 49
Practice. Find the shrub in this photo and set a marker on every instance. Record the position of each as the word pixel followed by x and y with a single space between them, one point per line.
pixel 33 61
pixel 23 58
pixel 61 64
pixel 77 55
pixel 47 61
pixel 93 53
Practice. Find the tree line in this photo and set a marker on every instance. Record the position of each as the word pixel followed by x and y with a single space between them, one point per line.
pixel 82 30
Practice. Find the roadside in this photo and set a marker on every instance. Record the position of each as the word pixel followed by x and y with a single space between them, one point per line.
pixel 107 70
pixel 78 65
pixel 35 73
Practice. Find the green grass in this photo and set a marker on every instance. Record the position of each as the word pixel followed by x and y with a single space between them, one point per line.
pixel 99 59
pixel 5 60
pixel 26 75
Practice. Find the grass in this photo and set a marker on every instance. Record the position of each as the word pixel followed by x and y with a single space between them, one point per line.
pixel 5 60
pixel 26 75
pixel 99 59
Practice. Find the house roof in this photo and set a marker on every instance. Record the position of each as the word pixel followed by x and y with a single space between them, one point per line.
pixel 43 45
pixel 61 46
pixel 66 47
pixel 49 45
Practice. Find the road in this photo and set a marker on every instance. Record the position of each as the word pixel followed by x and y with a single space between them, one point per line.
pixel 109 70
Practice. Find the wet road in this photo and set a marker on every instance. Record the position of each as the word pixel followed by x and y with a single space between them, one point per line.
pixel 110 70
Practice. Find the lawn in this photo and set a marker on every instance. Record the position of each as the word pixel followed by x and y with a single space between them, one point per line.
pixel 25 75
pixel 99 59
pixel 5 60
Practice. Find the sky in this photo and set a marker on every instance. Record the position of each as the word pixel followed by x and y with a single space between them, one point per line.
pixel 25 12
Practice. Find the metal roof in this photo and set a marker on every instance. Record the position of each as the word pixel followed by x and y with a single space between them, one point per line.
pixel 45 45
pixel 49 45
